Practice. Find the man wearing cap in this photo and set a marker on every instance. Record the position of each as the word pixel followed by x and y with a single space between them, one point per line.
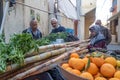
pixel 33 30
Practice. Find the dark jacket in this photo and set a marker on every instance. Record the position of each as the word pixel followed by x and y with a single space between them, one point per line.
pixel 59 29
pixel 36 36
pixel 106 32
pixel 98 44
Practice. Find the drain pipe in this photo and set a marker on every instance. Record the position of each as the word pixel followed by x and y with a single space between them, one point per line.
pixel 4 16
pixel 78 8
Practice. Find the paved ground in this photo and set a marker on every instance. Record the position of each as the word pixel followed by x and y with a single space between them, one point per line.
pixel 113 47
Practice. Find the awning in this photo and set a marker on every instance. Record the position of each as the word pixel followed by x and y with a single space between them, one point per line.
pixel 67 8
pixel 114 16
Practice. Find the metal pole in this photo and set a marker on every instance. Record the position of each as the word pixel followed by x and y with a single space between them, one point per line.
pixel 78 8
pixel 1 11
pixel 58 13
pixel 51 9
pixel 4 16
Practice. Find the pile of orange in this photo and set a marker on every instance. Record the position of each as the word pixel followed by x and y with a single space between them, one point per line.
pixel 93 68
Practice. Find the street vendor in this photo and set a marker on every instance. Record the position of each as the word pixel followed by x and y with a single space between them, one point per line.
pixel 56 27
pixel 33 30
pixel 106 32
pixel 98 39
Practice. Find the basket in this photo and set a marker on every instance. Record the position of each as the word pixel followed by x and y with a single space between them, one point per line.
pixel 68 75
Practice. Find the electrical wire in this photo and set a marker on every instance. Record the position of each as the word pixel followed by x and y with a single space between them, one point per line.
pixel 72 3
pixel 40 9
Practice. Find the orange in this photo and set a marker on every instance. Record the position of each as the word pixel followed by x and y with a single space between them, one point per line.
pixel 76 72
pixel 69 69
pixel 114 79
pixel 91 59
pixel 74 55
pixel 100 78
pixel 107 70
pixel 111 60
pixel 87 75
pixel 98 75
pixel 78 64
pixel 85 60
pixel 98 61
pixel 117 74
pixel 71 61
pixel 93 69
pixel 65 65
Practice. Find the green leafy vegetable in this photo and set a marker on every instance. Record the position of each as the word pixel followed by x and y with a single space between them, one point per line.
pixel 15 50
pixel 54 36
pixel 23 42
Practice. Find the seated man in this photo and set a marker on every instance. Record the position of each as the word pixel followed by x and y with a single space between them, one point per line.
pixel 56 26
pixel 33 30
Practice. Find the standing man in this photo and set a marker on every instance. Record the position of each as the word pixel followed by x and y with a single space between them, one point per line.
pixel 106 32
pixel 33 30
pixel 56 27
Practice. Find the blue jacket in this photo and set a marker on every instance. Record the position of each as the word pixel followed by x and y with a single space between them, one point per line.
pixel 59 29
pixel 38 34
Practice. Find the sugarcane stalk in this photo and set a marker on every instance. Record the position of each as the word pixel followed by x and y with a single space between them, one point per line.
pixel 46 68
pixel 83 45
pixel 83 51
pixel 76 43
pixel 42 49
pixel 37 58
pixel 30 71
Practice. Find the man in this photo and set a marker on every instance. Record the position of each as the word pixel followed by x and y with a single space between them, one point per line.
pixel 56 26
pixel 33 30
pixel 106 32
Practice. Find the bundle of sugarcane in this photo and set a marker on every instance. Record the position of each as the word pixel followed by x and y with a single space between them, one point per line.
pixel 12 73
pixel 45 55
pixel 45 48
pixel 37 58
pixel 41 68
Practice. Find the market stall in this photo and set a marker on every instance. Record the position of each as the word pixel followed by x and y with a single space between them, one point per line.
pixel 25 55
pixel 23 58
